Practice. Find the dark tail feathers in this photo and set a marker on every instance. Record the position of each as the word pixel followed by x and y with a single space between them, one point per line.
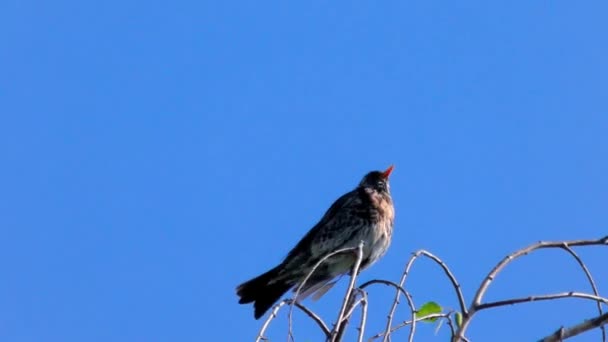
pixel 261 293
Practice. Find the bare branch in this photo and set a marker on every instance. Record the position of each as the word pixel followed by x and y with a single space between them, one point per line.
pixel 524 251
pixel 541 298
pixel 399 289
pixel 507 260
pixel 564 333
pixel 301 285
pixel 452 278
pixel 315 318
pixel 307 311
pixel 351 309
pixel 449 274
pixel 591 282
pixel 272 316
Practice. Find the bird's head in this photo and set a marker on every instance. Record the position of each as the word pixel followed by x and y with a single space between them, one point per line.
pixel 377 180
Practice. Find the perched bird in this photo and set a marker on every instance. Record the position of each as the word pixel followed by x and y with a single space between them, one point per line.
pixel 363 214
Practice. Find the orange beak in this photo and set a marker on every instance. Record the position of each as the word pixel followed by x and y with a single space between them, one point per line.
pixel 388 171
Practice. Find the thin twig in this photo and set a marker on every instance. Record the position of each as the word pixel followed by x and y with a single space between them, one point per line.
pixel 413 311
pixel 315 318
pixel 410 322
pixel 450 275
pixel 451 324
pixel 552 296
pixel 361 327
pixel 347 297
pixel 399 290
pixel 304 309
pixel 415 320
pixel 272 316
pixel 389 320
pixel 384 282
pixel 351 309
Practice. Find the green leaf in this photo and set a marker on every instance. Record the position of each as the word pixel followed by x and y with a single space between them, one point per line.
pixel 429 308
pixel 458 317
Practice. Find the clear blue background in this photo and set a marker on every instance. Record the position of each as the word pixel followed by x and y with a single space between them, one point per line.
pixel 155 154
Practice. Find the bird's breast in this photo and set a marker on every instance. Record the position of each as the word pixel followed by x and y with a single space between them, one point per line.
pixel 381 226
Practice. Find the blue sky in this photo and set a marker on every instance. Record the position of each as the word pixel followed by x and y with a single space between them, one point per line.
pixel 156 155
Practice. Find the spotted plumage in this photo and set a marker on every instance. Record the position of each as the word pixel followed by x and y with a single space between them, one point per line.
pixel 363 214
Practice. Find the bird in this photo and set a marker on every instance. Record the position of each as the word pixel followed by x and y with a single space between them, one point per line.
pixel 365 214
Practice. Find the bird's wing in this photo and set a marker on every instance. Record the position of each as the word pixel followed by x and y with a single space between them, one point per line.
pixel 329 233
pixel 319 289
